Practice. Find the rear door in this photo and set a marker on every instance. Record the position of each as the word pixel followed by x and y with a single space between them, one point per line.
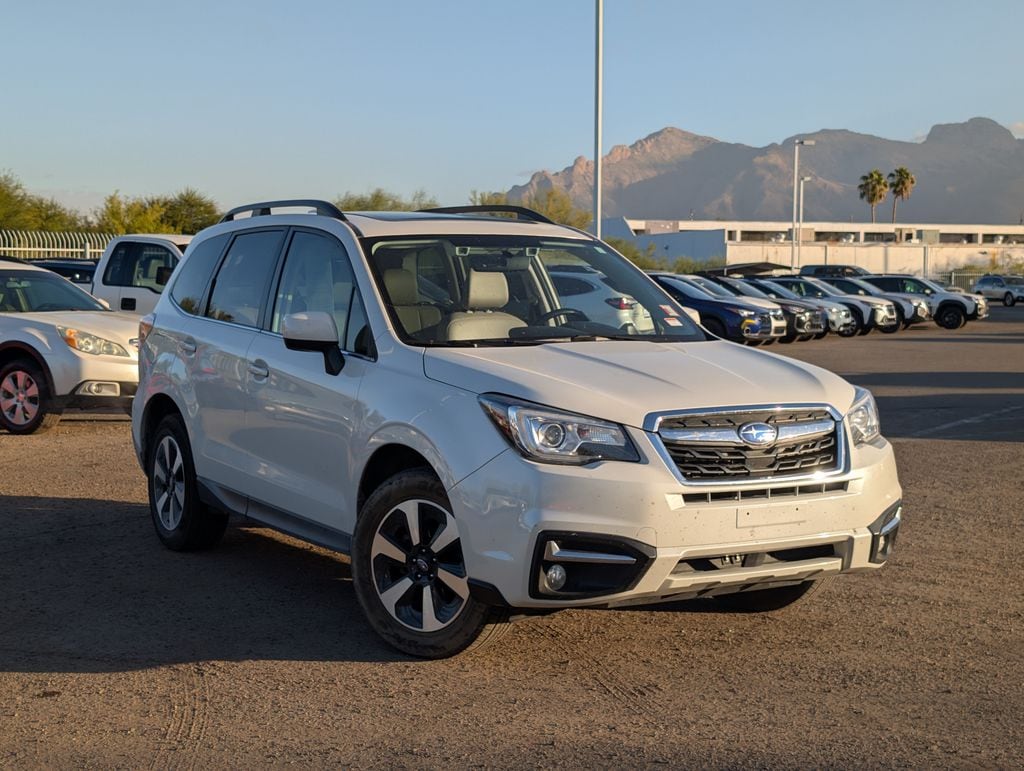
pixel 215 348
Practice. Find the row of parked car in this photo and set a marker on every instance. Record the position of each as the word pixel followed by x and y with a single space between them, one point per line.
pixel 761 308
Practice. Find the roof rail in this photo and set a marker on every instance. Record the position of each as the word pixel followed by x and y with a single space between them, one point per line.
pixel 323 208
pixel 521 212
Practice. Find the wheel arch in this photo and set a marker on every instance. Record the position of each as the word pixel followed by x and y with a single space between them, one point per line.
pixel 157 408
pixel 14 349
pixel 386 461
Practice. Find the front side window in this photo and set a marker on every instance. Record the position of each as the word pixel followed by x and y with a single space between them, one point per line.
pixel 317 276
pixel 506 290
pixel 242 281
pixel 37 292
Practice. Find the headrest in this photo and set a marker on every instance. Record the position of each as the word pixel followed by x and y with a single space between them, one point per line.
pixel 486 291
pixel 401 286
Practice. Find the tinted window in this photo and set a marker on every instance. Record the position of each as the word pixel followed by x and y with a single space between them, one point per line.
pixel 194 276
pixel 568 287
pixel 39 292
pixel 887 284
pixel 317 276
pixel 118 266
pixel 244 276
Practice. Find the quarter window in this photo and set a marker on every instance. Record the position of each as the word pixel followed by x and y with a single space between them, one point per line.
pixel 194 276
pixel 244 276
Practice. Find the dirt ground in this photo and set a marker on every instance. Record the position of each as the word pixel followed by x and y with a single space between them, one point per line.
pixel 117 653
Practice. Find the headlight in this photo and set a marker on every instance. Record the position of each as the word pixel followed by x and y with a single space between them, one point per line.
pixel 743 312
pixel 86 343
pixel 550 436
pixel 863 417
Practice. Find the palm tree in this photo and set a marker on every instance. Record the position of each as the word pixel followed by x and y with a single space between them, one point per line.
pixel 872 188
pixel 901 183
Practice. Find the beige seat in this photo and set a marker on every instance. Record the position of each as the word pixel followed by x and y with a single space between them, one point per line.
pixel 486 294
pixel 414 315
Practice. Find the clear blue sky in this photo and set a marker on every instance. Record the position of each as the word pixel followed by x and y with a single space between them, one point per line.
pixel 246 99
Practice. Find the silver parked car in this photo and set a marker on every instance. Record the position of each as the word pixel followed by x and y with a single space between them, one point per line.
pixel 1008 289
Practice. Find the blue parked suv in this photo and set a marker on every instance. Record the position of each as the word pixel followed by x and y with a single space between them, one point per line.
pixel 733 318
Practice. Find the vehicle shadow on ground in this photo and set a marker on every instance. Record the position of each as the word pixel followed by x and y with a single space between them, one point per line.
pixel 85 586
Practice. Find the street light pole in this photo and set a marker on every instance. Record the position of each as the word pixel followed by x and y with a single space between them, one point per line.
pixel 800 222
pixel 796 175
pixel 598 77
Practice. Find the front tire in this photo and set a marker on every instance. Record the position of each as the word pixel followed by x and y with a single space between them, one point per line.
pixel 951 317
pixel 852 329
pixel 773 600
pixel 181 520
pixel 26 404
pixel 409 572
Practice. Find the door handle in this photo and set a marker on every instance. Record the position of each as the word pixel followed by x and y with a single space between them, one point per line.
pixel 259 369
pixel 187 346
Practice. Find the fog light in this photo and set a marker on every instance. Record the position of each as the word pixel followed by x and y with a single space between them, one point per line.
pixel 556 577
pixel 99 388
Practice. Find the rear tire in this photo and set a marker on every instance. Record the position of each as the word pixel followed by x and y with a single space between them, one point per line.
pixel 821 335
pixel 1009 300
pixel 181 520
pixel 773 600
pixel 26 404
pixel 409 573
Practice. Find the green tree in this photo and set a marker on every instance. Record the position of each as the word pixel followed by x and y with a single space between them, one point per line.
pixel 380 199
pixel 643 259
pixel 554 203
pixel 188 211
pixel 132 215
pixel 20 210
pixel 901 184
pixel 872 189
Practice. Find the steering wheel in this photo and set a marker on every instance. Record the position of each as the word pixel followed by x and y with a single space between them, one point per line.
pixel 568 313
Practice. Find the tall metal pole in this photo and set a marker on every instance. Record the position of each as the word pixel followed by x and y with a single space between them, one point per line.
pixel 800 223
pixel 598 77
pixel 792 240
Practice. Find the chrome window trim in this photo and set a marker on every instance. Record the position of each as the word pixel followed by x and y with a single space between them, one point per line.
pixel 652 422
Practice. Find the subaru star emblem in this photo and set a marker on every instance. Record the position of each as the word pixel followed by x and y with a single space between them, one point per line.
pixel 758 434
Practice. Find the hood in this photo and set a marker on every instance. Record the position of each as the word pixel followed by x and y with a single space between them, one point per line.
pixel 118 327
pixel 626 381
pixel 757 302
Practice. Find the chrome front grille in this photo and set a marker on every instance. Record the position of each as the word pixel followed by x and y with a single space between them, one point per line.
pixel 705 447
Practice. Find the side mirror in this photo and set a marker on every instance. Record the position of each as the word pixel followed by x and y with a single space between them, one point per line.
pixel 163 275
pixel 314 331
pixel 103 302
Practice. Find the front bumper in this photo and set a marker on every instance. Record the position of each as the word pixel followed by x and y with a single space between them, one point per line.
pixel 685 540
pixel 808 323
pixel 763 327
pixel 70 370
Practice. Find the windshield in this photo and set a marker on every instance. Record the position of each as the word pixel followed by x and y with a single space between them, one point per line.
pixel 38 292
pixel 711 287
pixel 822 287
pixel 472 290
pixel 870 289
pixel 774 291
pixel 745 288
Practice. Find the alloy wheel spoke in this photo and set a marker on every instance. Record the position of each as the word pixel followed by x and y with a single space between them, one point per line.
pixel 430 620
pixel 31 390
pixel 446 536
pixel 392 595
pixel 412 522
pixel 384 546
pixel 458 584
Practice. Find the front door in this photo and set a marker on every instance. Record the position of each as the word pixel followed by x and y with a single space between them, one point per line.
pixel 301 420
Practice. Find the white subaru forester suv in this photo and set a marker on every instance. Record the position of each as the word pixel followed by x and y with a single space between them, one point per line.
pixel 410 389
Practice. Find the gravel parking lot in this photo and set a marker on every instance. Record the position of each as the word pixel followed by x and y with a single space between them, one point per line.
pixel 116 652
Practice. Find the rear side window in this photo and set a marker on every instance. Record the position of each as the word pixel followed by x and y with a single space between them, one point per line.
pixel 568 287
pixel 243 278
pixel 194 276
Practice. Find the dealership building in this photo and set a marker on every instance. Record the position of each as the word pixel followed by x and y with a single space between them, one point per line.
pixel 897 248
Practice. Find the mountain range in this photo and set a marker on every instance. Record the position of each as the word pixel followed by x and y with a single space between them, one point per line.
pixel 970 172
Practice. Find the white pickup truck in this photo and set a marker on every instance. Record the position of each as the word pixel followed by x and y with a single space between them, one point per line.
pixel 133 270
